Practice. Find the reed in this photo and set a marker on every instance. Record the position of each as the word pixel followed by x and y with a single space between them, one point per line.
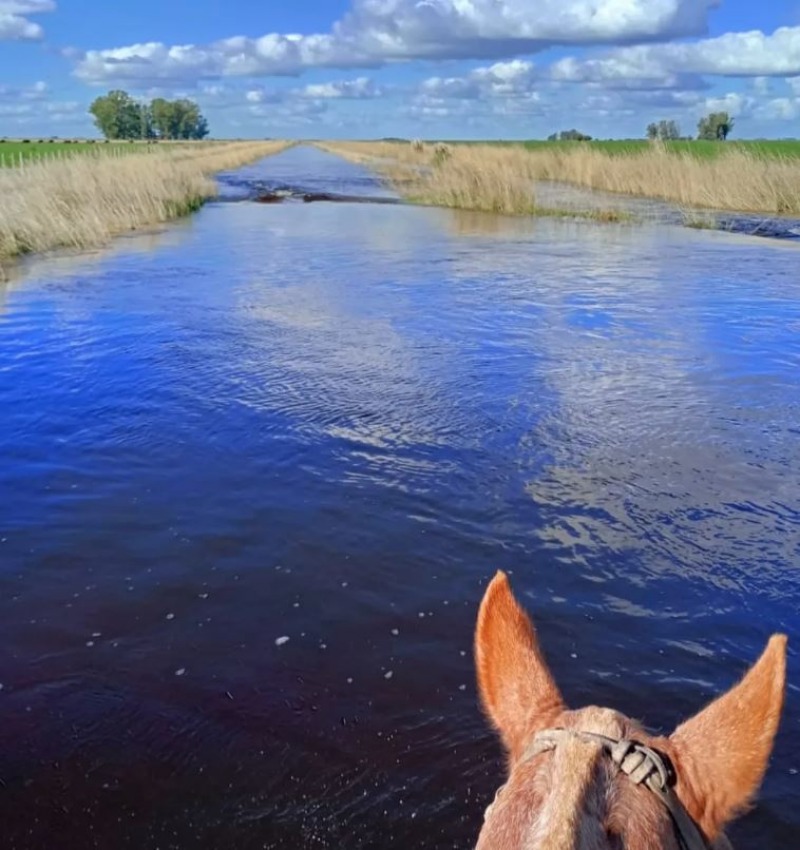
pixel 487 178
pixel 84 201
pixel 736 180
pixel 503 177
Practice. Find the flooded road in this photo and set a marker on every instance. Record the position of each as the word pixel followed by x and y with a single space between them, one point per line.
pixel 255 479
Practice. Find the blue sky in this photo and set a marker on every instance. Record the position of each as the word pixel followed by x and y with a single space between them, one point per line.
pixel 413 68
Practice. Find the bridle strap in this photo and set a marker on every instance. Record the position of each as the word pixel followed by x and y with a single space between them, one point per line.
pixel 643 766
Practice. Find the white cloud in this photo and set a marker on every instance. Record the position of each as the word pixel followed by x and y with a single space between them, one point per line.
pixel 307 104
pixel 779 109
pixel 256 96
pixel 503 79
pixel 54 110
pixel 362 88
pixel 289 112
pixel 375 32
pixel 474 28
pixel 426 107
pixel 14 23
pixel 38 91
pixel 66 107
pixel 503 89
pixel 12 109
pixel 735 103
pixel 630 69
pixel 737 54
pixel 761 85
pixel 680 64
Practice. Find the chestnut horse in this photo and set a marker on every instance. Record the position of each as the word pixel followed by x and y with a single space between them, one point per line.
pixel 592 779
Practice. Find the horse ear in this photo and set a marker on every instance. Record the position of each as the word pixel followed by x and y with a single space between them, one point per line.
pixel 721 754
pixel 515 684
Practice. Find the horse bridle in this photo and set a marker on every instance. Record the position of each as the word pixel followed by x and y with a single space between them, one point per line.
pixel 643 766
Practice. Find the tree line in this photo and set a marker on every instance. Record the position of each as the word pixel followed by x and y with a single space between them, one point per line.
pixel 716 126
pixel 119 116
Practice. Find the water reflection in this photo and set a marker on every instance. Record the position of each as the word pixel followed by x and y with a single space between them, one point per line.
pixel 62 264
pixel 331 424
pixel 471 223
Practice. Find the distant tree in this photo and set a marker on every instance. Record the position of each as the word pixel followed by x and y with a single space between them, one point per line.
pixel 716 126
pixel 572 136
pixel 118 116
pixel 669 130
pixel 187 121
pixel 161 110
pixel 665 131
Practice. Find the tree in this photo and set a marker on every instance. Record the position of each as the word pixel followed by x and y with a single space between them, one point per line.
pixel 665 131
pixel 572 136
pixel 118 116
pixel 178 119
pixel 189 121
pixel 161 110
pixel 716 126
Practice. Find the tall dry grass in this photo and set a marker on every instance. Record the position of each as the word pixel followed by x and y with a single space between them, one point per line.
pixel 736 180
pixel 502 178
pixel 85 200
pixel 486 178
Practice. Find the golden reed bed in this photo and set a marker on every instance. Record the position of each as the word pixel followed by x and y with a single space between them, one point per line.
pixel 84 200
pixel 502 178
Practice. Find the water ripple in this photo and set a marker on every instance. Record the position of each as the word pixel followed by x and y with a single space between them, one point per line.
pixel 332 424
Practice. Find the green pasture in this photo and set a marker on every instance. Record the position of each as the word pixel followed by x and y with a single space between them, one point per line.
pixel 698 148
pixel 13 153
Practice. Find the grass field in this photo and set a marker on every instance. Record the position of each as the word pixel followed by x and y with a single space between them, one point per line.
pixel 16 152
pixel 702 149
pixel 12 153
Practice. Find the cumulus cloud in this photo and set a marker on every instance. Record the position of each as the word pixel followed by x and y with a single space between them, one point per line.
pixel 503 79
pixel 38 91
pixel 263 96
pixel 362 88
pixel 26 113
pixel 306 105
pixel 375 32
pixel 682 65
pixel 454 28
pixel 736 103
pixel 736 54
pixel 14 23
pixel 289 111
pixel 779 109
pixel 502 89
pixel 633 69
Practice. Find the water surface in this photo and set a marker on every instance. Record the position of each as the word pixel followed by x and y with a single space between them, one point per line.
pixel 332 423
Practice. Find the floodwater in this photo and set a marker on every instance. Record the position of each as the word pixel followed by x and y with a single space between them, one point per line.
pixel 256 474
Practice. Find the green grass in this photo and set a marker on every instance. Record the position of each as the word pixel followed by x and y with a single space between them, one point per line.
pixel 700 149
pixel 621 147
pixel 11 153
